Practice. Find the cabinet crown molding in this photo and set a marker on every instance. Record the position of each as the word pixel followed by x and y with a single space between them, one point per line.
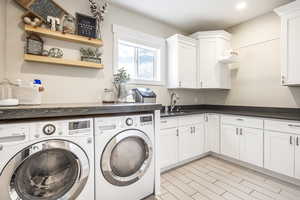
pixel 288 8
pixel 212 34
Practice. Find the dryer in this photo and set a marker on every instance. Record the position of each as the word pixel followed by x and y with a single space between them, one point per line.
pixel 47 160
pixel 124 158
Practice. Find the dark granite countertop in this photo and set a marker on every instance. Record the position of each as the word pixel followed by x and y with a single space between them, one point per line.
pixel 264 112
pixel 72 110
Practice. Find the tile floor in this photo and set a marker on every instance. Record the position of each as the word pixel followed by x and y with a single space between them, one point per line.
pixel 214 179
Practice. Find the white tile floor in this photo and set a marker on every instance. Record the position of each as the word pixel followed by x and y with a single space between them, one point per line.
pixel 214 179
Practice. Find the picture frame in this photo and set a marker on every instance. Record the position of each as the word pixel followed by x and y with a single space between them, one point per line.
pixel 86 25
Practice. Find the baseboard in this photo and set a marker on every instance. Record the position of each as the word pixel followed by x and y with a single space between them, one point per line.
pixel 261 170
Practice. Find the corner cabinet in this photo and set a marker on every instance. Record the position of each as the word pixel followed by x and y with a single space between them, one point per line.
pixel 182 62
pixel 290 43
pixel 211 47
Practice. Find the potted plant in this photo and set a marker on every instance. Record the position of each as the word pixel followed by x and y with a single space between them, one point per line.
pixel 120 80
pixel 91 55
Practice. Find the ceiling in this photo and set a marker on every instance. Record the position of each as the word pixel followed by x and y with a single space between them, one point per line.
pixel 193 15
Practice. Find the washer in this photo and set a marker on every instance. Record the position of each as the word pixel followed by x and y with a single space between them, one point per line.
pixel 51 160
pixel 124 157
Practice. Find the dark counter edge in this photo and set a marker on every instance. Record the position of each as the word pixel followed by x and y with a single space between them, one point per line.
pixel 61 111
pixel 76 111
pixel 262 112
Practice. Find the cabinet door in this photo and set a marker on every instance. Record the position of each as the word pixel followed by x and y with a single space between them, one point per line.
pixel 251 146
pixel 297 158
pixel 230 141
pixel 279 152
pixel 291 48
pixel 187 64
pixel 168 151
pixel 186 149
pixel 207 51
pixel 198 140
pixel 212 132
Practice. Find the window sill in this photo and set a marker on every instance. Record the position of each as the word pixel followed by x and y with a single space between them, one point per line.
pixel 144 82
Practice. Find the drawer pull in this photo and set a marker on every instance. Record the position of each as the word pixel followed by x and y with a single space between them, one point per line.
pixel 291 139
pixel 239 119
pixel 237 131
pixel 164 122
pixel 297 141
pixel 241 131
pixel 294 126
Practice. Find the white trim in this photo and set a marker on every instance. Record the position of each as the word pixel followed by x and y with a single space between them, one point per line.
pixel 143 39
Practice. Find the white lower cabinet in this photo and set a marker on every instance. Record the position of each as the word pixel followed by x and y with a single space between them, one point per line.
pixel 280 152
pixel 168 147
pixel 297 157
pixel 252 146
pixel 230 142
pixel 212 133
pixel 243 143
pixel 191 141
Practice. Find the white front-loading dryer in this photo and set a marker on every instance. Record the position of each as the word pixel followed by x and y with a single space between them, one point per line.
pixel 48 160
pixel 124 158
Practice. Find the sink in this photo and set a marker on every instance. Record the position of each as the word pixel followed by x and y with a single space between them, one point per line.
pixel 176 113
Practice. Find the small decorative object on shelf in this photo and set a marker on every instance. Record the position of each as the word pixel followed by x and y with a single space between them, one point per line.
pixel 86 25
pixel 45 52
pixel 34 45
pixel 43 8
pixel 69 24
pixel 98 12
pixel 32 20
pixel 56 53
pixel 120 80
pixel 54 23
pixel 91 55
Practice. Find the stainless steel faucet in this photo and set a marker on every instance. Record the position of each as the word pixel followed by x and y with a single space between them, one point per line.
pixel 174 100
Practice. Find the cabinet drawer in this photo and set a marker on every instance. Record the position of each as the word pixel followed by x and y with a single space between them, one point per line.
pixel 243 121
pixel 166 123
pixel 283 126
pixel 191 120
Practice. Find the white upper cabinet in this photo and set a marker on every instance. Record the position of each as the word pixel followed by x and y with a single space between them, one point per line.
pixel 182 62
pixel 290 43
pixel 211 47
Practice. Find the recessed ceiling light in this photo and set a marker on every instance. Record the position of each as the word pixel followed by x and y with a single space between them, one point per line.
pixel 241 6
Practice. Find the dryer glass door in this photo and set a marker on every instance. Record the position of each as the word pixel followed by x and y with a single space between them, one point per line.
pixel 48 170
pixel 126 157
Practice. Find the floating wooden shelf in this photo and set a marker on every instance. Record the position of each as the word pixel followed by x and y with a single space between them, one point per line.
pixel 64 36
pixel 60 61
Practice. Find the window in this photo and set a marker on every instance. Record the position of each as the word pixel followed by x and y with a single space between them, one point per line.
pixel 141 55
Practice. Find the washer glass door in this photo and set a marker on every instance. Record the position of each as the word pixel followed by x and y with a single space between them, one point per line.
pixel 46 175
pixel 49 170
pixel 126 157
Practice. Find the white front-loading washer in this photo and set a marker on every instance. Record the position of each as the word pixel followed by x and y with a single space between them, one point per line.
pixel 124 158
pixel 47 160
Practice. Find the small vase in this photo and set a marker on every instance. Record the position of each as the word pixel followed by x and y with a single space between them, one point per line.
pixel 122 93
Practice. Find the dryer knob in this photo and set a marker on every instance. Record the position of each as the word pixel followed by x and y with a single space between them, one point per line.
pixel 129 121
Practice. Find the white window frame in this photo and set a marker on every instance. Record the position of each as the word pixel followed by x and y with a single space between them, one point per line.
pixel 144 40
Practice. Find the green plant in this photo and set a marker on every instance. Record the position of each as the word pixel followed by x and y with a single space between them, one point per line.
pixel 121 77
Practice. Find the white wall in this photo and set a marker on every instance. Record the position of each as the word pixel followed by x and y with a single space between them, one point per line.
pixel 2 38
pixel 257 81
pixel 77 85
